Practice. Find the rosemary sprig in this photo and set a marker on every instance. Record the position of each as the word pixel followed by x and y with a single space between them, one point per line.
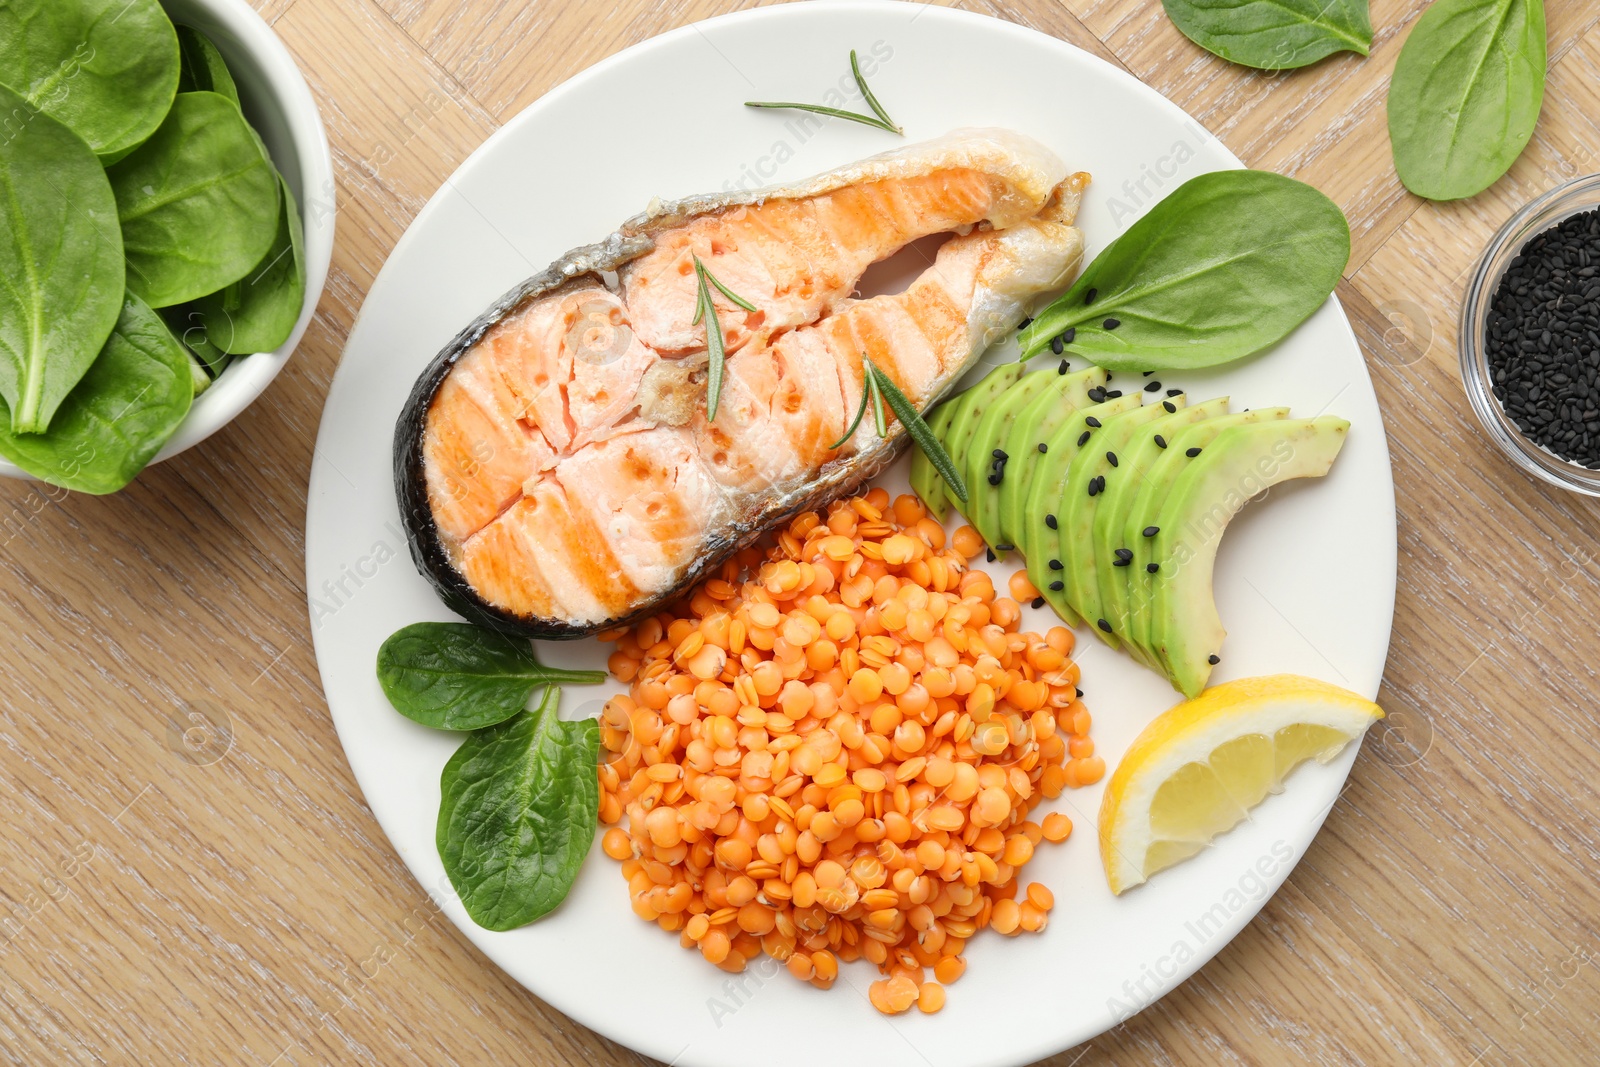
pixel 715 349
pixel 878 387
pixel 872 101
pixel 879 117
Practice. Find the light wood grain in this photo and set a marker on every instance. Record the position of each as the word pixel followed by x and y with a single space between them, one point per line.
pixel 226 897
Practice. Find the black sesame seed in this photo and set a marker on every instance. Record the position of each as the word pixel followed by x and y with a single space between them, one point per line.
pixel 1112 324
pixel 1098 395
pixel 1057 586
pixel 1025 323
pixel 1094 486
pixel 1169 406
pixel 1050 521
pixel 1055 346
pixel 1083 438
pixel 1153 387
pixel 1111 458
pixel 1120 562
pixel 1193 452
pixel 1005 548
pixel 1043 447
pixel 1124 553
pixel 1106 626
pixel 1152 567
pixel 1063 367
pixel 1112 394
pixel 990 555
pixel 1069 335
pixel 1151 531
pixel 1038 602
pixel 1213 659
pixel 994 479
pixel 1161 442
pixel 1092 422
pixel 1088 298
pixel 1000 453
pixel 1055 564
pixel 1174 392
pixel 1079 693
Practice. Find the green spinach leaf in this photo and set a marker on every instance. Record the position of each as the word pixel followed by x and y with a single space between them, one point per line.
pixel 1225 266
pixel 452 676
pixel 198 202
pixel 117 418
pixel 61 272
pixel 517 813
pixel 105 68
pixel 258 312
pixel 1466 94
pixel 203 69
pixel 191 330
pixel 1274 34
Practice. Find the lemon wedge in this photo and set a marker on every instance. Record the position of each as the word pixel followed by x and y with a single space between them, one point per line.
pixel 1199 767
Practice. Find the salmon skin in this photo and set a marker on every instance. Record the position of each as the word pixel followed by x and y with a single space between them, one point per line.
pixel 555 470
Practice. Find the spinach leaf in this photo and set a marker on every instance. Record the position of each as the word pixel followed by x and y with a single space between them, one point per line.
pixel 1466 94
pixel 203 69
pixel 452 676
pixel 105 68
pixel 191 330
pixel 1228 264
pixel 198 202
pixel 517 813
pixel 117 418
pixel 258 312
pixel 1274 34
pixel 60 262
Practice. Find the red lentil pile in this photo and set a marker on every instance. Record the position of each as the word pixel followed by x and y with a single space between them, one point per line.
pixel 830 750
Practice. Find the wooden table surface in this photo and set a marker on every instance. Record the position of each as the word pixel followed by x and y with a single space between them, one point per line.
pixel 188 873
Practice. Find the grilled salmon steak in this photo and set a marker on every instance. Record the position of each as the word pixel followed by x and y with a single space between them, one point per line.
pixel 556 471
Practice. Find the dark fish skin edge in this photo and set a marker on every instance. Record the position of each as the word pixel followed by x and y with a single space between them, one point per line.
pixel 836 479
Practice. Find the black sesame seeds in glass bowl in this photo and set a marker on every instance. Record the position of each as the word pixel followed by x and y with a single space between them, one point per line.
pixel 1530 337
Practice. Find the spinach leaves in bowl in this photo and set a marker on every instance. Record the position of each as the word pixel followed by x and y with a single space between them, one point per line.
pixel 142 201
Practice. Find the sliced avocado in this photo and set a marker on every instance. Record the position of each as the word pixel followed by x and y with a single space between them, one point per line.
pixel 1094 467
pixel 1238 464
pixel 1145 514
pixel 1037 537
pixel 1111 517
pixel 975 403
pixel 987 460
pixel 926 480
pixel 1034 425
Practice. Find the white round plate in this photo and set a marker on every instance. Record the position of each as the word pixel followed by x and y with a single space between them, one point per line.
pixel 1305 582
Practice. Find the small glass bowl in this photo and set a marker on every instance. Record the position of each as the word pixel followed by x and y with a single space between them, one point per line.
pixel 1559 204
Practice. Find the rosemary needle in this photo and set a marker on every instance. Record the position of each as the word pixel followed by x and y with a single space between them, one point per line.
pixel 716 351
pixel 879 117
pixel 919 430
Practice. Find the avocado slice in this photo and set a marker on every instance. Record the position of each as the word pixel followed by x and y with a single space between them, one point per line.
pixel 1037 537
pixel 1030 435
pixel 984 467
pixel 1238 464
pixel 926 481
pixel 1138 454
pixel 1145 514
pixel 975 403
pixel 1093 468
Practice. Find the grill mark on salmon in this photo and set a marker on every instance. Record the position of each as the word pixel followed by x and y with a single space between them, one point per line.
pixel 555 469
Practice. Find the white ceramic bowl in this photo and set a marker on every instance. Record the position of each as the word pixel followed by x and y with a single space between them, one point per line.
pixel 280 106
